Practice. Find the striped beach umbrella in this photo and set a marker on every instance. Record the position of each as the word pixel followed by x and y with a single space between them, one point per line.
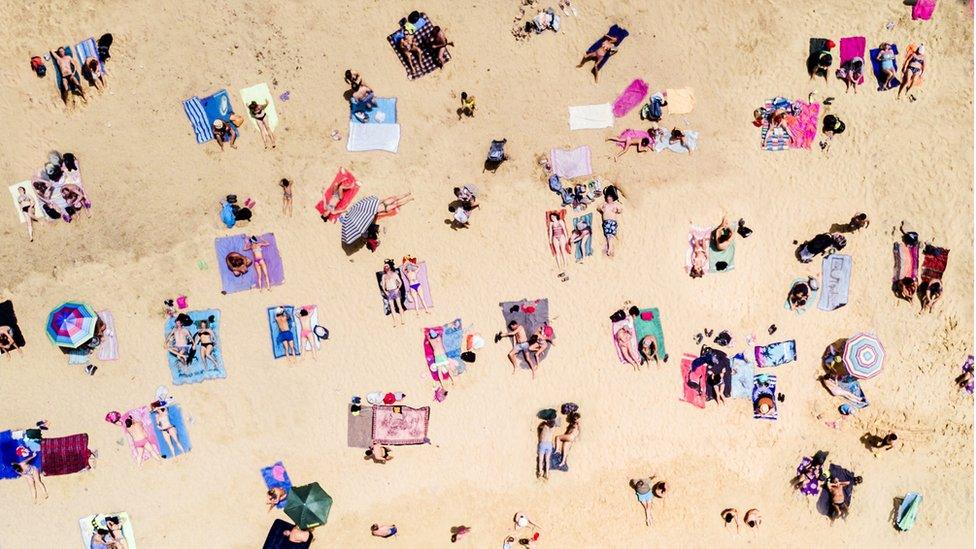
pixel 356 221
pixel 864 356
pixel 71 324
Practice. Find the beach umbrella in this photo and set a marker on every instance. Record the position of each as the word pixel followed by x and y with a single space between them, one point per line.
pixel 308 505
pixel 356 221
pixel 864 356
pixel 71 324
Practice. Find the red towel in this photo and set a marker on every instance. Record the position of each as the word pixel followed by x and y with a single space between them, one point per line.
pixel 692 395
pixel 64 455
pixel 934 264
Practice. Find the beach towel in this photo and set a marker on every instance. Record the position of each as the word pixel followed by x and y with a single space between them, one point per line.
pixel 65 455
pixel 835 282
pixel 616 327
pixel 680 100
pixel 359 428
pixel 198 119
pixel 342 178
pixel 278 540
pixel 451 334
pixel 109 347
pixel 196 370
pixel 721 261
pixel 934 262
pixel 277 342
pixel 570 163
pixel 851 47
pixel 261 94
pixel 142 416
pixel 9 318
pixel 424 289
pixel 923 10
pixel 692 383
pixel 764 392
pixel 176 419
pixel 847 388
pixel 843 475
pixel 91 522
pixel 562 217
pixel 633 95
pixel 810 297
pixel 554 459
pixel 531 314
pixel 15 194
pixel 400 302
pixel 810 486
pixel 697 233
pixel 779 141
pixel 691 138
pixel 78 357
pixel 908 510
pixel 218 107
pixel 920 78
pixel 373 137
pixel 906 262
pixel 400 425
pixel 743 373
pixel 384 111
pixel 424 35
pixel 584 247
pixel 9 442
pixel 616 32
pixel 876 65
pixel 313 320
pixel 275 476
pixel 775 354
pixel 648 323
pixel 591 117
pixel 804 125
pixel 235 243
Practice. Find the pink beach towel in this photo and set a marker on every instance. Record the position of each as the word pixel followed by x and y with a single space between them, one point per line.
pixel 429 352
pixel 923 9
pixel 851 47
pixel 690 394
pixel 629 323
pixel 400 425
pixel 143 416
pixel 570 163
pixel 632 96
pixel 804 126
pixel 906 262
pixel 696 233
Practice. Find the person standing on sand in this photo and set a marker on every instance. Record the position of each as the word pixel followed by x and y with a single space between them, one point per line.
pixel 287 188
pixel 568 438
pixel 610 209
pixel 545 448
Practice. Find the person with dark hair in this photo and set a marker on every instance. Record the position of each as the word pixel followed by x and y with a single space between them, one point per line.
pixel 221 130
pixel 379 453
pixel 254 245
pixel 101 538
pixel 259 112
pixel 838 500
pixel 859 221
pixel 606 48
pixel 573 430
pixel 178 343
pixel 831 126
pixel 438 45
pixel 206 340
pixel 353 79
pixel 520 344
pixel 819 245
pixel 851 72
pixel 913 69
pixel 646 490
pixel 140 440
pixel 722 235
pixel 929 291
pixel 7 343
pixel 731 516
pixel 468 104
pixel 392 287
pixel 545 448
pixel 70 73
pixel 408 45
pixel 383 531
pixel 819 63
pixel 307 331
pixel 610 210
pixel 678 136
pixel 752 518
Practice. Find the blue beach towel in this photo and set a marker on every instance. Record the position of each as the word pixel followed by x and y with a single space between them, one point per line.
pixel 268 474
pixel 198 119
pixel 619 33
pixel 743 373
pixel 908 511
pixel 583 248
pixel 835 282
pixel 85 49
pixel 58 77
pixel 764 387
pixel 384 111
pixel 876 65
pixel 453 333
pixel 554 459
pixel 8 454
pixel 176 418
pixel 198 371
pixel 775 354
pixel 277 344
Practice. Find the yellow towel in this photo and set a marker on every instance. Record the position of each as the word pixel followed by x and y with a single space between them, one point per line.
pixel 260 93
pixel 680 100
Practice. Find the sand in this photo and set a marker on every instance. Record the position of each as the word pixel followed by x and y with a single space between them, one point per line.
pixel 155 215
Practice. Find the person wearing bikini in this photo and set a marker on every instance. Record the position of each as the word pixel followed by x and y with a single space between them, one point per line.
pixel 286 194
pixel 206 339
pixel 254 245
pixel 140 440
pixel 27 207
pixel 409 268
pixel 259 113
pixel 166 427
pixel 305 319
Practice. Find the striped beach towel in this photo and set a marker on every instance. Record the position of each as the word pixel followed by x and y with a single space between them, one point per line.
pixel 779 142
pixel 198 119
pixel 87 48
pixel 109 348
pixel 357 220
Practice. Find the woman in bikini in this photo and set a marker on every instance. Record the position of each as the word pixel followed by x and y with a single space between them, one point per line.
pixel 623 338
pixel 254 245
pixel 409 47
pixel 410 270
pixel 641 140
pixel 76 199
pixel 390 205
pixel 569 437
pixel 286 195
pixel 332 201
pixel 259 112
pixel 206 340
pixel 307 333
pixel 140 440
pixel 887 58
pixel 558 238
pixel 29 472
pixel 27 207
pixel 166 427
pixel 914 69
pixel 679 137
pixel 607 47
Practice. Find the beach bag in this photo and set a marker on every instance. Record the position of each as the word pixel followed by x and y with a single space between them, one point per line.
pixel 618 316
pixel 653 110
pixel 37 65
pixel 496 152
pixel 236 119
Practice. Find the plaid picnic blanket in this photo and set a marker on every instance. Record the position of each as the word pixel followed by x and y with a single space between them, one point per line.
pixel 64 455
pixel 424 36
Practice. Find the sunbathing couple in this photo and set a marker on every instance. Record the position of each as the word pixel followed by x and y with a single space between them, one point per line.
pixel 286 336
pixel 392 286
pixel 549 442
pixel 361 96
pixel 143 446
pixel 623 338
pixel 530 347
pixel 108 534
pixel 184 346
pixel 719 240
pixel 71 74
pixel 646 140
pixel 238 264
pixel 414 49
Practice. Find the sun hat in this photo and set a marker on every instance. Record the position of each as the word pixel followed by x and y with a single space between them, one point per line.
pixel 219 124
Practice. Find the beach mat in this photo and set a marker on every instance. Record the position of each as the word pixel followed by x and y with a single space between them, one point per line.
pixel 648 323
pixel 811 296
pixel 908 511
pixel 451 334
pixel 851 47
pixel 847 388
pixel 278 540
pixel 278 347
pixel 359 429
pixel 143 416
pixel 615 31
pixel 384 111
pixel 400 425
pixel 176 418
pixel 922 10
pixel 906 261
pixel 424 289
pixel 692 383
pixel 835 282
pixel 616 327
pixel 804 125
pixel 570 163
pixel 198 120
pixel 531 314
pixel 247 281
pixel 276 476
pixel 843 475
pixel 633 95
pixel 764 387
pixel 876 66
pixel 591 117
pixel 743 374
pixel 680 100
pixel 583 248
pixel 260 93
pixel 197 370
pixel 342 177
pixel 373 137
pixel 934 262
pixel 89 523
pixel 424 36
pixel 691 138
pixel 9 318
pixel 775 354
pixel 721 261
pixel 15 193
pixel 78 357
pixel 9 442
pixel 108 349
pixel 84 50
pixel 65 455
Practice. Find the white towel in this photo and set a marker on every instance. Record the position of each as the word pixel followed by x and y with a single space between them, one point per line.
pixel 591 117
pixel 664 144
pixel 15 193
pixel 373 137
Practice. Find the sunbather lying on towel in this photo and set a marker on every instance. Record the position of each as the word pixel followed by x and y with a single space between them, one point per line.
pixel 409 46
pixel 438 46
pixel 520 345
pixel 623 338
pixel 886 55
pixel 906 288
pixel 677 136
pixel 779 118
pixel 166 427
pixel 178 344
pixel 607 47
pixel 443 365
pixel 70 72
pixel 627 138
pixel 914 69
pixel 699 257
pixel 221 130
pixel 75 199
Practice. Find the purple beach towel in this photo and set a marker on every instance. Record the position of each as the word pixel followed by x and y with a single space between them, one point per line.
pixel 876 66
pixel 632 96
pixel 247 281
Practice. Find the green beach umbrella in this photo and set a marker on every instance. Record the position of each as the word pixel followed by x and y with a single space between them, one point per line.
pixel 308 506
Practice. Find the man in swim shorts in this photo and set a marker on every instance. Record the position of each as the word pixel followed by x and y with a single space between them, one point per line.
pixel 391 285
pixel 285 336
pixel 545 448
pixel 520 344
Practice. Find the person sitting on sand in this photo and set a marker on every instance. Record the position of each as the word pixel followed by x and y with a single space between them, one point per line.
pixel 914 69
pixel 297 535
pixel 468 104
pixel 606 48
pixel 438 45
pixel 716 382
pixel 623 339
pixel 383 530
pixel 408 45
pixel 851 73
pixel 362 97
pixel 876 443
pixel 832 126
pixel 779 118
pixel 353 78
pixel 929 292
pixel 254 245
pixel 221 130
pixel 819 63
pixel 114 525
pixel 458 532
pixel 545 448
pixel 647 349
pixel 206 339
pixel 858 221
pixel 259 112
pixel 96 73
pixel 800 293
pixel 178 343
pixel 75 200
pixel 646 490
pixel 523 521
pixel 722 235
pixel 573 430
pixel 639 139
pixel 520 344
pixel 237 264
pixel 905 288
pixel 286 337
pixel 886 56
pixel 165 426
pixel 838 504
pixel 379 453
pixel 140 440
pixel 820 244
pixel 275 496
pixel 7 343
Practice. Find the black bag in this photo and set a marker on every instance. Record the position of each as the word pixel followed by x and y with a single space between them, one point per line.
pixel 618 316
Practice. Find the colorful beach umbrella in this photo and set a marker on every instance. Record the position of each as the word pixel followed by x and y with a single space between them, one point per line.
pixel 308 505
pixel 356 221
pixel 864 356
pixel 71 324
